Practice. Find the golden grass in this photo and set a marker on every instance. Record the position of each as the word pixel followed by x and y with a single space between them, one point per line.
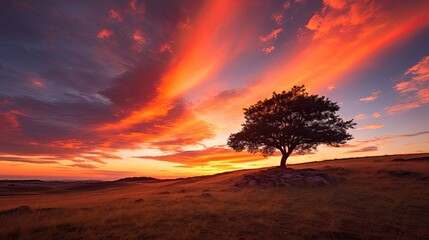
pixel 369 205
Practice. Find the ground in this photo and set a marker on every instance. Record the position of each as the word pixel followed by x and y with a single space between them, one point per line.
pixel 380 198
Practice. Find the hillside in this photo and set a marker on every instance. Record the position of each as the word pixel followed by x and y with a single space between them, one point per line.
pixel 383 197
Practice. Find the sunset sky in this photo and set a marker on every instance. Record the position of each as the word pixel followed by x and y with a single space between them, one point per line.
pixel 111 89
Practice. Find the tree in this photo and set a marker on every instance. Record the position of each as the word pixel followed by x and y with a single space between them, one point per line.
pixel 290 121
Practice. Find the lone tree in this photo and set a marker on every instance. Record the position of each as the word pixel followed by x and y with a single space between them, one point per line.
pixel 291 121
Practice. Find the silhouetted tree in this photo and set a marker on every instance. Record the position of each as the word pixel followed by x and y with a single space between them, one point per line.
pixel 290 121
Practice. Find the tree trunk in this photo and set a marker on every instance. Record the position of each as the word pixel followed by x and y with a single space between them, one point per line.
pixel 283 160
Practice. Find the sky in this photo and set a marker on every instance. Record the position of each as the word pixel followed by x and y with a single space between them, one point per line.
pixel 112 89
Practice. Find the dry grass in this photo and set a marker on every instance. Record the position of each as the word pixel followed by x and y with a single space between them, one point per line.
pixel 369 205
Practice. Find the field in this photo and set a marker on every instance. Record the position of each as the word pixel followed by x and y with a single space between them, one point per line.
pixel 375 201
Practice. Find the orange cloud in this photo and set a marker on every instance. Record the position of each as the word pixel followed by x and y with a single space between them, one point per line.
pixel 415 90
pixel 371 98
pixel 376 115
pixel 405 86
pixel 360 117
pixel 337 4
pixel 268 49
pixel 420 71
pixel 83 165
pixel 69 143
pixel 104 33
pixel 340 40
pixel 271 36
pixel 371 126
pixel 206 156
pixel 401 107
pixel 201 54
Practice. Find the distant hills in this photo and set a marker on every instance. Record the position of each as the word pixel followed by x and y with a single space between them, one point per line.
pixel 136 179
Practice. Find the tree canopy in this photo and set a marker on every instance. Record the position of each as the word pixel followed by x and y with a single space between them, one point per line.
pixel 291 121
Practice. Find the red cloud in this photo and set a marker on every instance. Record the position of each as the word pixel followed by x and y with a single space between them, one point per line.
pixel 286 5
pixel 115 15
pixel 166 47
pixel 137 7
pixel 104 33
pixel 277 17
pixel 138 36
pixel 9 119
pixel 139 39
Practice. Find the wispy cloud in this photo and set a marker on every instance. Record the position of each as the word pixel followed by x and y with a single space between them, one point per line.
pixel 271 36
pixel 331 87
pixel 402 107
pixel 26 160
pixel 206 156
pixel 361 116
pixel 414 91
pixel 385 138
pixel 371 126
pixel 83 165
pixel 376 115
pixel 371 98
pixel 364 149
pixel 277 17
pixel 268 49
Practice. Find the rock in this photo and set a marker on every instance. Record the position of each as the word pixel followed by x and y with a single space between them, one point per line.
pixel 403 173
pixel 164 193
pixel 18 210
pixel 139 200
pixel 317 181
pixel 182 191
pixel 280 177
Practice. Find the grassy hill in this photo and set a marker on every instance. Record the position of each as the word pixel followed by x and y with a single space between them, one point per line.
pixel 377 200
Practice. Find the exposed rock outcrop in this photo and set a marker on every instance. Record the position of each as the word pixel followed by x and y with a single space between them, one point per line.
pixel 283 177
